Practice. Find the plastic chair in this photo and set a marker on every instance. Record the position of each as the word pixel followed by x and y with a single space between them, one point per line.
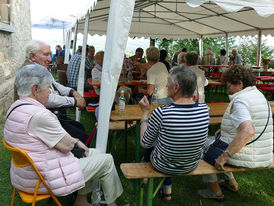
pixel 21 159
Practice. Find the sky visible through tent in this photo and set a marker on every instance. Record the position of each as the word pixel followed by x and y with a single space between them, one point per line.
pixel 41 9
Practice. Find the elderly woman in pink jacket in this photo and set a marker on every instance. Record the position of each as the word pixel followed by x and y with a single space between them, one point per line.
pixel 33 128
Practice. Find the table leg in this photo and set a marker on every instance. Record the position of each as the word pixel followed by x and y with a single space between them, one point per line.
pixel 137 157
pixel 125 141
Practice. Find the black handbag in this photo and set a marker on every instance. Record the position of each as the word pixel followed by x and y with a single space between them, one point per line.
pixel 218 147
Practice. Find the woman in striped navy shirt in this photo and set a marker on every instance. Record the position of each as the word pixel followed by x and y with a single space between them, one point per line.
pixel 175 132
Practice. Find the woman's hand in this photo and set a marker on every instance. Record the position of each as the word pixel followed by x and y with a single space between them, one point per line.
pixel 220 161
pixel 144 105
pixel 83 146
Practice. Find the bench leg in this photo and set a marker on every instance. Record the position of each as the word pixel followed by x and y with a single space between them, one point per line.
pixel 150 192
pixel 141 200
pixel 137 157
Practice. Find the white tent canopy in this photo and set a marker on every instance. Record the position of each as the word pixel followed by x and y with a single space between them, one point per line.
pixel 164 19
pixel 181 19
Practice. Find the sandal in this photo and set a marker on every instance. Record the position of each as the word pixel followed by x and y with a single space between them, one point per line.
pixel 165 197
pixel 207 193
pixel 233 187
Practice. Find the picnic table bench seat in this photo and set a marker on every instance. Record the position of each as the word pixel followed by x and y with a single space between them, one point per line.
pixel 146 170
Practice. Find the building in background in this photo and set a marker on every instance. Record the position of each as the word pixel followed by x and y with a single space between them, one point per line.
pixel 15 32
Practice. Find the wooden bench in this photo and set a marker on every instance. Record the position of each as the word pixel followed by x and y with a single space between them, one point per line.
pixel 146 170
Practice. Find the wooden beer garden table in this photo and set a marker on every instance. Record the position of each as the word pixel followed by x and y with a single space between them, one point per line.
pixel 133 113
pixel 131 83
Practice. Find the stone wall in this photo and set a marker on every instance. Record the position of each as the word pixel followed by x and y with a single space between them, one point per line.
pixel 12 50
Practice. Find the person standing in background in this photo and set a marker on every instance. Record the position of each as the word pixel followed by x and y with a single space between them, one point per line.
pixel 237 58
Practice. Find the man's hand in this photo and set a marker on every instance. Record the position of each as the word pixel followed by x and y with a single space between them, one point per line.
pixel 81 102
pixel 83 146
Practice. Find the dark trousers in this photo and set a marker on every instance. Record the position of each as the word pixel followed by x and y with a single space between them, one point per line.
pixel 74 128
pixel 148 151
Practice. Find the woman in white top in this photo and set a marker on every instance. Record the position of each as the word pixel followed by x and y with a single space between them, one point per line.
pixel 157 75
pixel 247 128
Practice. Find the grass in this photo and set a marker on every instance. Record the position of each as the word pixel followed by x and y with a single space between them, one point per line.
pixel 256 187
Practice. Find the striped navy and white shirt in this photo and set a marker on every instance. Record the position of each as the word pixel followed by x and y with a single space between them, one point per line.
pixel 178 133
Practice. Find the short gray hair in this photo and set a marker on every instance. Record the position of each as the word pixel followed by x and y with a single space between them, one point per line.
pixel 185 77
pixel 33 46
pixel 30 75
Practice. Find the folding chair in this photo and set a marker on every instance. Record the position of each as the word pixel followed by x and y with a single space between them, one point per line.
pixel 21 159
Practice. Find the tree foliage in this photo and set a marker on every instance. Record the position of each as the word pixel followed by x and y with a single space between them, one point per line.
pixel 246 46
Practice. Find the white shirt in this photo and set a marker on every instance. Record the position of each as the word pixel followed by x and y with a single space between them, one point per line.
pixel 158 74
pixel 46 128
pixel 240 113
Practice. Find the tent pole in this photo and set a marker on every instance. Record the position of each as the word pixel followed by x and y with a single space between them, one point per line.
pixel 152 42
pixel 64 41
pixel 75 37
pixel 259 48
pixel 226 44
pixel 119 21
pixel 81 77
pixel 201 46
pixel 66 60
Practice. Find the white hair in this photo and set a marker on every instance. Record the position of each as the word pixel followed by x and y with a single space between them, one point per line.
pixel 33 46
pixel 31 75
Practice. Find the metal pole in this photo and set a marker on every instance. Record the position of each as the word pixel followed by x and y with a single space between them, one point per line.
pixel 81 77
pixel 75 37
pixel 259 48
pixel 201 46
pixel 152 42
pixel 64 41
pixel 226 44
pixel 66 60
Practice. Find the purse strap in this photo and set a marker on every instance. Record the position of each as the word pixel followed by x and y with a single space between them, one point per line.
pixel 264 127
pixel 219 134
pixel 19 105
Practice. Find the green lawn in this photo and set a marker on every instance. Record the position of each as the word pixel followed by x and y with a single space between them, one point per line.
pixel 255 187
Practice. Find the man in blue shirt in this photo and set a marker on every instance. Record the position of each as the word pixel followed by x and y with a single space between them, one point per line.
pixel 73 68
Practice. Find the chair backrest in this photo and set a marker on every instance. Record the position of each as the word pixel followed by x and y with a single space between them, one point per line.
pixel 59 59
pixel 21 159
pixel 62 77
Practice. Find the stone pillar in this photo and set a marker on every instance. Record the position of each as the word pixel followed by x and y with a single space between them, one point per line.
pixel 11 50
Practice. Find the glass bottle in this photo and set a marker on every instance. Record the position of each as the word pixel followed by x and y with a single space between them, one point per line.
pixel 154 98
pixel 122 101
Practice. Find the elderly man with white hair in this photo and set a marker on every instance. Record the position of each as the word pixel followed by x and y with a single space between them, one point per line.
pixel 237 58
pixel 36 130
pixel 60 97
